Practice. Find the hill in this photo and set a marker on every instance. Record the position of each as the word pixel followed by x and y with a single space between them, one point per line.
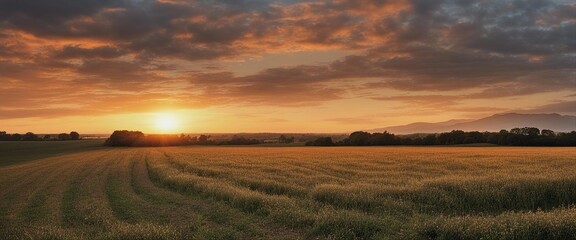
pixel 494 123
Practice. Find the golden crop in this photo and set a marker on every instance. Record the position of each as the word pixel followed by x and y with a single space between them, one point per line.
pixel 293 193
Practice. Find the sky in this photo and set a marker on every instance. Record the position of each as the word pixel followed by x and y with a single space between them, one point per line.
pixel 95 66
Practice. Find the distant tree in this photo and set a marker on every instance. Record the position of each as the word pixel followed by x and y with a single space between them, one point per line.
pixel 125 138
pixel 63 136
pixel 548 133
pixel 417 141
pixel 407 141
pixel 474 137
pixel 29 136
pixel 46 137
pixel 16 137
pixel 429 140
pixel 239 140
pixel 526 136
pixel 322 141
pixel 203 139
pixel 566 139
pixel 5 137
pixel 516 131
pixel 359 138
pixel 443 138
pixel 490 137
pixel 385 138
pixel 503 137
pixel 74 136
pixel 284 139
pixel 185 139
pixel 530 131
pixel 457 137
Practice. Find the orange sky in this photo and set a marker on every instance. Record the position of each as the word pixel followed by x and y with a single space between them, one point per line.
pixel 96 66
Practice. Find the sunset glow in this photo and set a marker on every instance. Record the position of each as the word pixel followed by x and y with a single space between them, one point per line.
pixel 280 65
pixel 287 119
pixel 166 123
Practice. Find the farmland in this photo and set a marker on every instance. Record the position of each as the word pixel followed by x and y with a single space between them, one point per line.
pixel 288 193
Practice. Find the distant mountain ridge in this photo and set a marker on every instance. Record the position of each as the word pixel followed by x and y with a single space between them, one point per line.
pixel 494 123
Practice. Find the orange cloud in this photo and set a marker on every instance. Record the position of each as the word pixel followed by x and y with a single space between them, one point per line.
pixel 108 56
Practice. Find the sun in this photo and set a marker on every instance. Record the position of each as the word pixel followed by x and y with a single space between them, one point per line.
pixel 166 123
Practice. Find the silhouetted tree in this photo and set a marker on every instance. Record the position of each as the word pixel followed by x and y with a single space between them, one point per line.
pixel 5 137
pixel 29 136
pixel 406 141
pixel 203 139
pixel 125 138
pixel 284 139
pixel 429 140
pixel 358 138
pixel 530 131
pixel 238 140
pixel 74 136
pixel 457 137
pixel 63 136
pixel 16 137
pixel 548 133
pixel 322 141
pixel 185 139
pixel 526 136
pixel 566 139
pixel 443 138
pixel 474 137
pixel 503 137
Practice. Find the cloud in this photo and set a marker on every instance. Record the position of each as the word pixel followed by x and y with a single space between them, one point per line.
pixel 107 50
pixel 425 69
pixel 277 86
pixel 78 52
pixel 564 107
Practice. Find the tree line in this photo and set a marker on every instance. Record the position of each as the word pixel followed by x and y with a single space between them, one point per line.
pixel 139 139
pixel 30 136
pixel 526 136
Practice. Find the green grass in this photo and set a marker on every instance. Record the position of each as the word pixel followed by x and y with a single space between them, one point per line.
pixel 288 193
pixel 120 202
pixel 70 216
pixel 35 209
pixel 19 152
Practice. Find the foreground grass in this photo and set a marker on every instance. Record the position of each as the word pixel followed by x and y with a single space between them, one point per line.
pixel 292 193
pixel 23 151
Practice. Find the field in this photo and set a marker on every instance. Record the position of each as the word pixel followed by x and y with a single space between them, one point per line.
pixel 288 193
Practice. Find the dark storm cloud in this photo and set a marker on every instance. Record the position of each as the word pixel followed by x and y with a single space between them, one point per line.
pixel 504 48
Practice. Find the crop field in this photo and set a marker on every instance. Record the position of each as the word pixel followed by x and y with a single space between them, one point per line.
pixel 290 193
